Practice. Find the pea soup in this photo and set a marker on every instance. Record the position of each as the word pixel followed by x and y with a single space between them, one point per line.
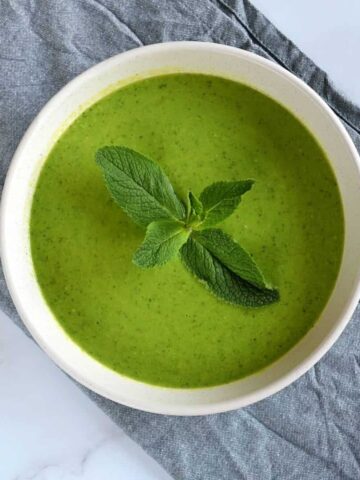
pixel 162 326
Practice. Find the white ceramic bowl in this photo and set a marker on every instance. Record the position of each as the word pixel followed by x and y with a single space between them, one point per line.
pixel 71 101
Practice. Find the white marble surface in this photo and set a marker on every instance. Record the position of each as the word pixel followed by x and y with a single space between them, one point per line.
pixel 328 31
pixel 49 430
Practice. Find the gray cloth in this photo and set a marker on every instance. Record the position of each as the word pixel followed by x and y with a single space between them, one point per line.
pixel 311 429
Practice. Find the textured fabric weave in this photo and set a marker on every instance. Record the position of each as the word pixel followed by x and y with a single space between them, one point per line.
pixel 311 429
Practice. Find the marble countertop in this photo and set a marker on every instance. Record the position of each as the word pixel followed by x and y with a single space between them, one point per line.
pixel 49 430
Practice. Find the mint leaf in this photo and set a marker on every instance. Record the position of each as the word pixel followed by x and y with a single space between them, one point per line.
pixel 163 241
pixel 196 205
pixel 139 186
pixel 221 280
pixel 220 200
pixel 232 255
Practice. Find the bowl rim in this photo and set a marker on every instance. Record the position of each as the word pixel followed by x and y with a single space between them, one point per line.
pixel 5 210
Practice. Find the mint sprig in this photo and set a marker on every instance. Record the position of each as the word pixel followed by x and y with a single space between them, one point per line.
pixel 142 189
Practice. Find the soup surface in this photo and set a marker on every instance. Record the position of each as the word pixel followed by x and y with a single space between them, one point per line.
pixel 161 326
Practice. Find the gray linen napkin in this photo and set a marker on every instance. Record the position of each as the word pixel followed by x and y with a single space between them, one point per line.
pixel 311 429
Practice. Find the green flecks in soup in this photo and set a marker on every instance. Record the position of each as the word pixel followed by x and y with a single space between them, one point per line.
pixel 161 326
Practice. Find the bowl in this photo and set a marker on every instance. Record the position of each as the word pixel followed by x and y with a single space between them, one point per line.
pixel 78 95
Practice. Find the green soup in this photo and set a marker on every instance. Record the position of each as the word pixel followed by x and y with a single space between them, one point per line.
pixel 161 326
